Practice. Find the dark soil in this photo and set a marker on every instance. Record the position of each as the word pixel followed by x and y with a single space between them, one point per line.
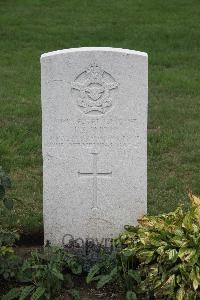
pixel 89 292
pixel 27 239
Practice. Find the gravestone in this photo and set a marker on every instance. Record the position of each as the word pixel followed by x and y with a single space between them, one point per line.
pixel 94 131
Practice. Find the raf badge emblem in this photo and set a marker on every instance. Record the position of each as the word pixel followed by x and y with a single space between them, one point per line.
pixel 93 89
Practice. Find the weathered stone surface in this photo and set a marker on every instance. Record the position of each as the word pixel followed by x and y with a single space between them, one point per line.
pixel 94 110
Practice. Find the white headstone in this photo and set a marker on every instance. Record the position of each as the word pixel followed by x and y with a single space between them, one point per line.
pixel 94 110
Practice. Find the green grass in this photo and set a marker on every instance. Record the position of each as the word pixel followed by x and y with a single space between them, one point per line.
pixel 169 31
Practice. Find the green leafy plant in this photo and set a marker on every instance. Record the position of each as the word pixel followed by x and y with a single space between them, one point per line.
pixel 160 258
pixel 113 269
pixel 9 262
pixel 46 272
pixel 105 271
pixel 8 237
pixel 167 248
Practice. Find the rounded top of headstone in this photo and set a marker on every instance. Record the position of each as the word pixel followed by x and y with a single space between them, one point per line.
pixel 88 49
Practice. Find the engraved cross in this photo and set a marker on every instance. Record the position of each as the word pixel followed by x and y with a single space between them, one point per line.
pixel 95 174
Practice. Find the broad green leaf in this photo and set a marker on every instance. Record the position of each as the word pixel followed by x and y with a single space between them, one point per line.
pixel 197 272
pixel 76 268
pixel 38 293
pixel 194 199
pixel 157 284
pixel 114 272
pixel 12 294
pixel 178 279
pixel 130 295
pixel 152 270
pixel 197 215
pixel 183 270
pixel 187 224
pixel 147 221
pixel 57 274
pixel 180 294
pixel 128 252
pixel 130 228
pixel 179 232
pixel 25 292
pixel 92 272
pixel 195 284
pixel 160 250
pixel 146 256
pixel 168 285
pixel 188 255
pixel 195 277
pixel 191 295
pixel 2 191
pixel 172 254
pixel 97 278
pixel 74 294
pixel 6 250
pixel 135 275
pixel 104 280
pixel 179 241
pixel 8 203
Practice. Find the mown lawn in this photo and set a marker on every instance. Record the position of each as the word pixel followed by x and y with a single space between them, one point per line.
pixel 169 31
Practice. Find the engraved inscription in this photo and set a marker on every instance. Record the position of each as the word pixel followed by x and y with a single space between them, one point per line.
pixel 95 132
pixel 93 88
pixel 95 174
